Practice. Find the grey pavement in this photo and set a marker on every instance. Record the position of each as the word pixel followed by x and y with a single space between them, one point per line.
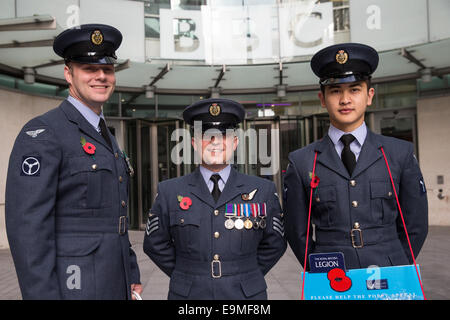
pixel 283 281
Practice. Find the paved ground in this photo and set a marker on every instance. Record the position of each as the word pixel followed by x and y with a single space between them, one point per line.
pixel 283 280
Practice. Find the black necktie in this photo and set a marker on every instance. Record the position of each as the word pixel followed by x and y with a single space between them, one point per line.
pixel 215 191
pixel 347 156
pixel 104 132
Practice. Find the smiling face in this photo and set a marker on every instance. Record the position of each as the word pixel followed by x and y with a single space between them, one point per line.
pixel 92 84
pixel 215 149
pixel 346 104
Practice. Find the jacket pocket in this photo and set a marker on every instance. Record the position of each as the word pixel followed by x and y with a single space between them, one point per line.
pixel 383 205
pixel 96 180
pixel 179 286
pixel 75 266
pixel 323 205
pixel 185 230
pixel 398 258
pixel 244 241
pixel 254 287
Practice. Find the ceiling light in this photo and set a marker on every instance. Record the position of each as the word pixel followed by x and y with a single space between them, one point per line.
pixel 149 92
pixel 215 92
pixel 425 74
pixel 28 75
pixel 281 90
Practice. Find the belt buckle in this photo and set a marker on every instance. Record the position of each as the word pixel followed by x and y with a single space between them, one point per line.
pixel 122 225
pixel 360 238
pixel 219 267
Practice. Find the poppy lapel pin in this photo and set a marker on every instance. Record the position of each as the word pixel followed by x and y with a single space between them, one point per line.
pixel 88 147
pixel 185 202
pixel 314 180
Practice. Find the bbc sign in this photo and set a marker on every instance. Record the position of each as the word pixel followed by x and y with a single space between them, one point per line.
pixel 233 35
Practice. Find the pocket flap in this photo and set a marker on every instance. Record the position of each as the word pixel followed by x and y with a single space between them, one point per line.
pixel 76 246
pixel 180 286
pixel 87 164
pixel 381 190
pixel 182 218
pixel 325 194
pixel 253 286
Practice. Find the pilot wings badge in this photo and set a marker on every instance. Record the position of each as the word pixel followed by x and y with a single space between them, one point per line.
pixel 34 133
pixel 248 196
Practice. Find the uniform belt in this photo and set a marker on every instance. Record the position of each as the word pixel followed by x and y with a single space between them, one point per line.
pixel 105 225
pixel 357 238
pixel 216 268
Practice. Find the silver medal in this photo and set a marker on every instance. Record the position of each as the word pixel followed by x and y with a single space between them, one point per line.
pixel 229 224
pixel 239 224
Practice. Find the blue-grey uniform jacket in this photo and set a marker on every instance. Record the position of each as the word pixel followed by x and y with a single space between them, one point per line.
pixel 66 211
pixel 204 259
pixel 365 201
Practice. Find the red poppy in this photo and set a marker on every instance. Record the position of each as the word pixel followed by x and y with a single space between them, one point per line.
pixel 89 148
pixel 315 182
pixel 338 280
pixel 185 203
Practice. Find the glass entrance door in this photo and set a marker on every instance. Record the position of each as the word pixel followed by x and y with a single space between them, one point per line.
pixel 262 148
pixel 149 146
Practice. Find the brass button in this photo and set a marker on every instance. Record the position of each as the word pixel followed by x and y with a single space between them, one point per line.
pixel 317 199
pixel 120 179
pixel 116 155
pixel 94 166
pixel 181 220
pixel 354 204
pixel 216 235
pixel 216 212
pixel 356 225
pixel 389 193
pixel 352 183
pixel 216 257
pixel 123 203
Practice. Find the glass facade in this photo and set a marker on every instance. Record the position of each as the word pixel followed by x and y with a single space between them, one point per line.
pixel 390 95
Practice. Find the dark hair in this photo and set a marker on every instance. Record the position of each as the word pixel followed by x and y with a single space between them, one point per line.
pixel 367 81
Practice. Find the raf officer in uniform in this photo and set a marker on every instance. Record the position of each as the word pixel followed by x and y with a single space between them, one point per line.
pixel 67 185
pixel 215 232
pixel 354 208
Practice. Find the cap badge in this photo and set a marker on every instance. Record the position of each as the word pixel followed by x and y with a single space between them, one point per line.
pixel 97 37
pixel 214 109
pixel 341 57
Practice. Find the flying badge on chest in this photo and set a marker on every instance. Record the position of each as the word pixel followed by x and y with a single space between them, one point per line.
pixel 248 196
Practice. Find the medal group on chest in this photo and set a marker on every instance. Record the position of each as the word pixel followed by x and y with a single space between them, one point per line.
pixel 253 213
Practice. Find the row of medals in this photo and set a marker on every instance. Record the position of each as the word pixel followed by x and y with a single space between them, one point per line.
pixel 247 224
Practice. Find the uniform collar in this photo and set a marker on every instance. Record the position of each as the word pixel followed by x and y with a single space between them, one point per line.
pixel 86 112
pixel 224 173
pixel 360 134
